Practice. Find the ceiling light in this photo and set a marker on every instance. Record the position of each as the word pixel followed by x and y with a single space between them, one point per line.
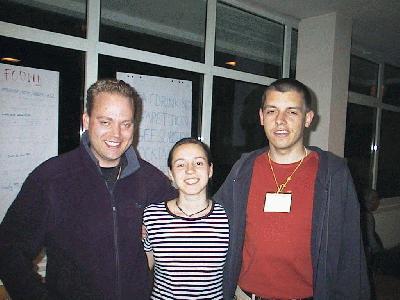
pixel 231 63
pixel 10 59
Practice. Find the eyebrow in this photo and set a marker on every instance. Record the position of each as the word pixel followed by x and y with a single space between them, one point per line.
pixel 197 157
pixel 111 119
pixel 290 107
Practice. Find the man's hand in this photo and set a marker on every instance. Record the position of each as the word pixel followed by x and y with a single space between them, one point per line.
pixel 144 233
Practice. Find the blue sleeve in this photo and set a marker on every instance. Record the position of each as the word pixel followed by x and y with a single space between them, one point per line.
pixel 352 277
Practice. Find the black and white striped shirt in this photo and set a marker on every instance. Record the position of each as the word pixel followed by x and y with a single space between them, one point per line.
pixel 189 253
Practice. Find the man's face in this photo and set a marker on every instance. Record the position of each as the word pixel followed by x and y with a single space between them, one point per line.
pixel 110 127
pixel 284 118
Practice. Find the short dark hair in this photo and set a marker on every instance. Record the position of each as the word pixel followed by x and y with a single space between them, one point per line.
pixel 189 140
pixel 284 85
pixel 112 86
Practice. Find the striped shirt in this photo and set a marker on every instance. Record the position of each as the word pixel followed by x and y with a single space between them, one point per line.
pixel 189 253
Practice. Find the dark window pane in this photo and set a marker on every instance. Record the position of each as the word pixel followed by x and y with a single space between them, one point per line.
pixel 171 27
pixel 389 163
pixel 363 76
pixel 235 126
pixel 57 16
pixel 70 64
pixel 391 89
pixel 360 132
pixel 248 43
pixel 293 53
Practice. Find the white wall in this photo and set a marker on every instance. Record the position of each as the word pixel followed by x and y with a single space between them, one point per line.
pixel 323 63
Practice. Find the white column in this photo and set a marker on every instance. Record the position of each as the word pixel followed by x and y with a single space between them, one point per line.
pixel 93 29
pixel 323 62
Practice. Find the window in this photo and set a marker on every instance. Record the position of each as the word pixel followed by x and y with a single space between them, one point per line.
pixel 235 126
pixel 165 38
pixel 162 38
pixel 59 16
pixel 372 136
pixel 109 66
pixel 70 65
pixel 358 147
pixel 363 76
pixel 293 54
pixel 247 42
pixel 388 182
pixel 171 27
pixel 391 88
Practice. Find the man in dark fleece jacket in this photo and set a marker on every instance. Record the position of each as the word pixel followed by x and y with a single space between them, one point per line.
pixel 85 208
pixel 293 212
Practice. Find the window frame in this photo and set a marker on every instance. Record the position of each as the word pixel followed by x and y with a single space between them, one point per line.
pixel 93 47
pixel 375 102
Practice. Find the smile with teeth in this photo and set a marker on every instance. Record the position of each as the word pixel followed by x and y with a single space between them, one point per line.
pixel 191 181
pixel 281 132
pixel 112 143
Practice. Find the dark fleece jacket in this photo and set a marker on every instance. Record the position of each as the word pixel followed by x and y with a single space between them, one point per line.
pixel 92 235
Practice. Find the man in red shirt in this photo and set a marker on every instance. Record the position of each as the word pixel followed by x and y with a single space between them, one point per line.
pixel 293 211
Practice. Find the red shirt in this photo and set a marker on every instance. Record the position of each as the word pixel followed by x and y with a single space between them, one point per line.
pixel 277 247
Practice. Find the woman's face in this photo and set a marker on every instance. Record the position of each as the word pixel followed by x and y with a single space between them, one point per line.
pixel 190 169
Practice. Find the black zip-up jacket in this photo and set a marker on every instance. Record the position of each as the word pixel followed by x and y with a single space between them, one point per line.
pixel 338 260
pixel 92 235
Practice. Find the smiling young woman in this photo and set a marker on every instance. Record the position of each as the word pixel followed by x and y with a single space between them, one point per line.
pixel 187 237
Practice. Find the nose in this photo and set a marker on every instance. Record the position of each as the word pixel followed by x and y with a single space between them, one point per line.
pixel 189 168
pixel 116 130
pixel 280 118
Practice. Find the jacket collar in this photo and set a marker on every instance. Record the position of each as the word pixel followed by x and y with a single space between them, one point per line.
pixel 130 160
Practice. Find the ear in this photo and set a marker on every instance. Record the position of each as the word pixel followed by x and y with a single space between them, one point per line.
pixel 170 176
pixel 309 118
pixel 85 121
pixel 261 114
pixel 211 171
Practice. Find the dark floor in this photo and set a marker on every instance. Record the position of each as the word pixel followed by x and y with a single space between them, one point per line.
pixel 387 287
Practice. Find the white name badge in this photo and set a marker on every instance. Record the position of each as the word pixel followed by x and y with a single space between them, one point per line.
pixel 275 202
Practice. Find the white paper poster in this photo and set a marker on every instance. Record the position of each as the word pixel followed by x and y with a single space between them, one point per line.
pixel 166 117
pixel 29 125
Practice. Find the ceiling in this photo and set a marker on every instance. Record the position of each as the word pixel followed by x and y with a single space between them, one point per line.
pixel 376 23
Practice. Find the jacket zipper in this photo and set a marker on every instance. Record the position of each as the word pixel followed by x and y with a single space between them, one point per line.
pixel 115 227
